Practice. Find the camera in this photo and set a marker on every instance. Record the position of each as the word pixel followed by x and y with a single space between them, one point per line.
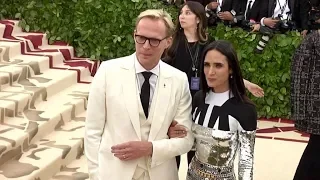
pixel 267 34
pixel 314 15
pixel 212 17
pixel 283 24
pixel 247 24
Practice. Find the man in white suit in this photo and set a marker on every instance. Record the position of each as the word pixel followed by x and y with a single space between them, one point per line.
pixel 132 102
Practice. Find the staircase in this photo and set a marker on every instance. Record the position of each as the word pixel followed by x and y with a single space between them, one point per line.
pixel 43 96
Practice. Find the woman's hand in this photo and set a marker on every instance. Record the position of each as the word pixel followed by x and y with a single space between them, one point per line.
pixel 176 130
pixel 254 89
pixel 304 33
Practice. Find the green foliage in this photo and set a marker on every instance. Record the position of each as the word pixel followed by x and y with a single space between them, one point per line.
pixel 270 70
pixel 99 29
pixel 102 29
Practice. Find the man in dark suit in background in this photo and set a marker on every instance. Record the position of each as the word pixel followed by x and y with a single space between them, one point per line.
pixel 245 11
pixel 295 11
pixel 234 12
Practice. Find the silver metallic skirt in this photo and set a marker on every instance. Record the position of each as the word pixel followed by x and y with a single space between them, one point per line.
pixel 202 171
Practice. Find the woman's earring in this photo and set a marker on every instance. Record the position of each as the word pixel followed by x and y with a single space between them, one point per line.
pixel 231 76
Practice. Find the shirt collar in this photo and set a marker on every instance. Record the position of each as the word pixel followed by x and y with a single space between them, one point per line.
pixel 140 69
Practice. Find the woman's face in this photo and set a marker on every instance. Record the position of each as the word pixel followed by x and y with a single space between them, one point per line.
pixel 216 70
pixel 187 19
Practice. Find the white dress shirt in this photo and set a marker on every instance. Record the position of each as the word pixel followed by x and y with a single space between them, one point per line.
pixel 277 9
pixel 219 6
pixel 140 79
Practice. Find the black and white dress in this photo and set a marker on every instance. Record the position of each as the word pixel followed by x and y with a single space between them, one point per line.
pixel 222 127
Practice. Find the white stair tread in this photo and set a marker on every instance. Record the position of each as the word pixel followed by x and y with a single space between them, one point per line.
pixel 48 115
pixel 76 170
pixel 55 150
pixel 53 124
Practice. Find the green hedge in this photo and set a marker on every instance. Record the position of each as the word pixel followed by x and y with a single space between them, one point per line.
pixel 102 29
pixel 270 70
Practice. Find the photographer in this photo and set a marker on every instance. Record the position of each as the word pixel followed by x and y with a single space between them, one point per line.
pixel 245 12
pixel 283 16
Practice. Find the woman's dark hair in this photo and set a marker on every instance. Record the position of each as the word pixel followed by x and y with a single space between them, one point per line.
pixel 236 83
pixel 178 36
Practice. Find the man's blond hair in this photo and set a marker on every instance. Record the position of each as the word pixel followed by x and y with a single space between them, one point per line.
pixel 158 14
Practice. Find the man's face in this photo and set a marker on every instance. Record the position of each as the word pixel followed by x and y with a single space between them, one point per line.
pixel 150 40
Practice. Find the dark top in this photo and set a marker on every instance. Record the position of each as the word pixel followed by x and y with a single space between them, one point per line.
pixel 245 113
pixel 183 60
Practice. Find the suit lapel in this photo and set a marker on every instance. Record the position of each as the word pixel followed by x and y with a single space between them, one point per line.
pixel 131 98
pixel 160 101
pixel 272 6
pixel 291 6
pixel 226 5
pixel 253 10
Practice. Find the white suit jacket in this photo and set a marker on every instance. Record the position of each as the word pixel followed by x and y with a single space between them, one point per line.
pixel 113 118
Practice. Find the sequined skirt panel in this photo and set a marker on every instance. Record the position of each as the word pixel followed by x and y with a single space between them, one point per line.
pixel 215 147
pixel 201 171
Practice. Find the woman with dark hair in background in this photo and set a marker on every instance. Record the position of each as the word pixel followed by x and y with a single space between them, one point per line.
pixel 225 120
pixel 189 40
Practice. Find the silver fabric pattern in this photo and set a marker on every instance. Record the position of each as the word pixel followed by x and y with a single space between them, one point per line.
pixel 203 171
pixel 216 151
pixel 246 149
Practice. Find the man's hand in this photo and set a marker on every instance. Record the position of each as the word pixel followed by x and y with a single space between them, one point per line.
pixel 176 130
pixel 255 27
pixel 132 150
pixel 270 22
pixel 227 16
pixel 213 5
